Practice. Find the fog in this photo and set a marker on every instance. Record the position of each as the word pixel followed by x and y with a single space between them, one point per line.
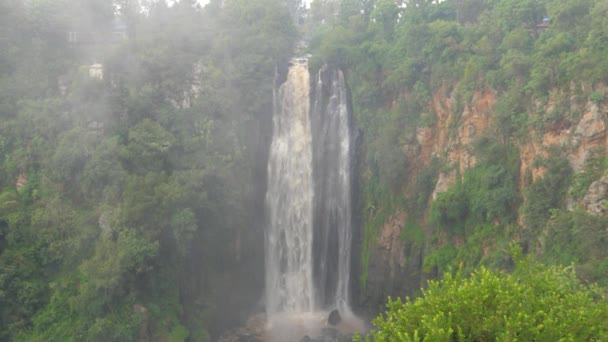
pixel 280 170
pixel 138 146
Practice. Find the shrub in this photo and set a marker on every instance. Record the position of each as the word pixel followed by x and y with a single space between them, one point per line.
pixel 597 96
pixel 534 303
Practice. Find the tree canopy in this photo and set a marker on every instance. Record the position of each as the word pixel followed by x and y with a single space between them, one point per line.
pixel 532 303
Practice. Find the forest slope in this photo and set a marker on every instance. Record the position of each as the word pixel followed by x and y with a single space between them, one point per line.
pixel 484 122
pixel 133 147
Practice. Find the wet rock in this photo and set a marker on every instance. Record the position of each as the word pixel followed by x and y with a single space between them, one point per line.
pixel 248 338
pixel 329 332
pixel 252 332
pixel 334 318
pixel 306 339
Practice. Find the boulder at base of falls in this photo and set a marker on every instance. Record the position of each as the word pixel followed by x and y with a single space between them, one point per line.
pixel 334 317
pixel 329 332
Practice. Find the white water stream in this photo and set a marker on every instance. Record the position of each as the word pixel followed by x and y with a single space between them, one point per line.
pixel 308 238
pixel 289 263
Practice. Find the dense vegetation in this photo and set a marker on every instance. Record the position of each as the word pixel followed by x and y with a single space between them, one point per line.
pixel 130 202
pixel 133 186
pixel 542 61
pixel 533 303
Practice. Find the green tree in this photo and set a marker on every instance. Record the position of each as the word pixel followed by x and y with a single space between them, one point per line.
pixel 532 303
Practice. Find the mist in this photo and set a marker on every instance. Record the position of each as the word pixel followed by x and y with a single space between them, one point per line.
pixel 136 141
pixel 280 170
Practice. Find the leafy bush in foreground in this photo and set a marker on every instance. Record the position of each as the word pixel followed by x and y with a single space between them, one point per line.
pixel 534 303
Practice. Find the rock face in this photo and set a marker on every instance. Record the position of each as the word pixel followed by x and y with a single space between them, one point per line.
pixel 596 199
pixel 590 134
pixel 334 317
pixel 579 139
pixel 395 262
pixel 445 181
pixel 394 266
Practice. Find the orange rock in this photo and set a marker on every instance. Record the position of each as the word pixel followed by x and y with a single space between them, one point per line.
pixel 21 181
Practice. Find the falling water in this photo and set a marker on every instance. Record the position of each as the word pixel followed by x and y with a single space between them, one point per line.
pixel 331 170
pixel 289 282
pixel 308 239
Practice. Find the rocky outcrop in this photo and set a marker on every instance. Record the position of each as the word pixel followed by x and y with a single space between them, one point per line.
pixel 394 266
pixel 21 182
pixel 444 182
pixel 590 135
pixel 334 317
pixel 596 199
pixel 253 331
pixel 579 139
pixel 454 130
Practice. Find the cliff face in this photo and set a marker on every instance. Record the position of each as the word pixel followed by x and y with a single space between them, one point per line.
pixel 397 259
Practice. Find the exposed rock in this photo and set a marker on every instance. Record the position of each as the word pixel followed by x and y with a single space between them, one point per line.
pixel 390 239
pixel 592 126
pixel 257 324
pixel 596 199
pixel 329 332
pixel 21 181
pixel 394 266
pixel 424 135
pixel 579 142
pixel 334 317
pixel 590 134
pixel 252 332
pixel 474 120
pixel 444 182
pixel 425 138
pixel 104 220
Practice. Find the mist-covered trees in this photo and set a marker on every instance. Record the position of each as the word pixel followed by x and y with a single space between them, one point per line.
pixel 121 198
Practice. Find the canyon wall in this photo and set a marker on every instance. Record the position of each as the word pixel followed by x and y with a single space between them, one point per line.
pixel 397 259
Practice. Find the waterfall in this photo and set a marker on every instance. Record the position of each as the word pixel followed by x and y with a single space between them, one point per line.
pixel 331 124
pixel 308 238
pixel 289 282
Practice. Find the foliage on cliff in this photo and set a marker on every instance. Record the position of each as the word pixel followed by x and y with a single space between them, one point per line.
pixel 532 303
pixel 122 194
pixel 407 62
